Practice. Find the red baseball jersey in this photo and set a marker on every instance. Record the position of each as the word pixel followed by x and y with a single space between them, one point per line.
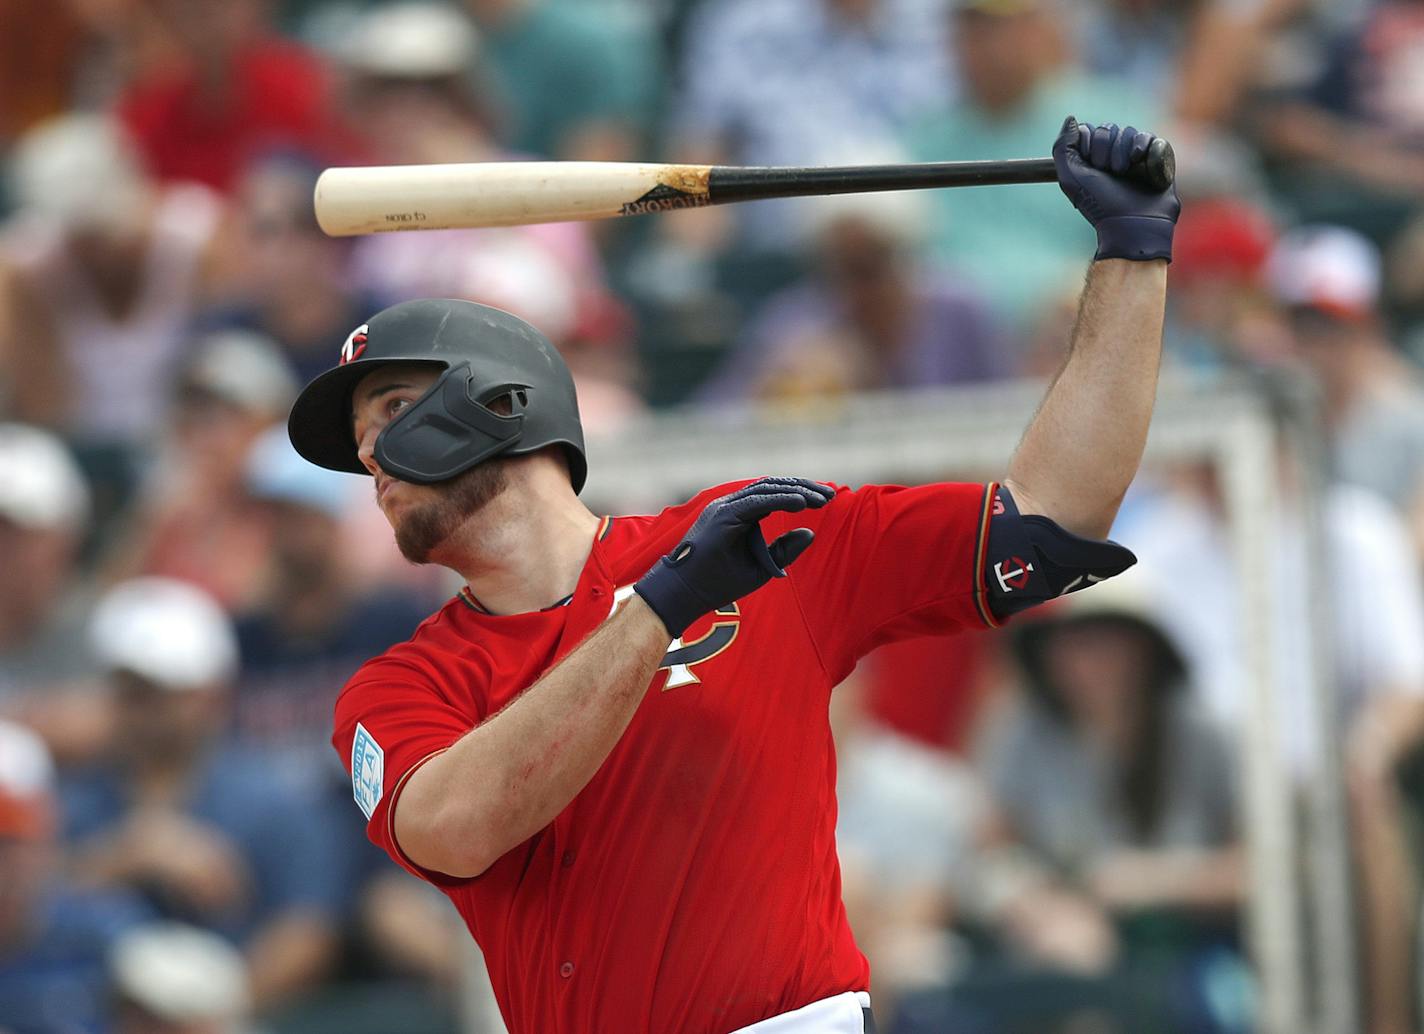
pixel 693 885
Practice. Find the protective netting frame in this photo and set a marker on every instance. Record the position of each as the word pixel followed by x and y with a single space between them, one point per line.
pixel 1236 425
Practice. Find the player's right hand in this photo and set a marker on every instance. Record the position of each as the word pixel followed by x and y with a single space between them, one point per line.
pixel 723 556
pixel 1094 164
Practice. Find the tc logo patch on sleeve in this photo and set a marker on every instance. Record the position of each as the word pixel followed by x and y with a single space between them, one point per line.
pixel 368 770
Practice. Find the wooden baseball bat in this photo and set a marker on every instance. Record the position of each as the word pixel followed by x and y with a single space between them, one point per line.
pixel 441 197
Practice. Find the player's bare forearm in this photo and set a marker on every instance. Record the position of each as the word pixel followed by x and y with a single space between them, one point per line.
pixel 1083 446
pixel 507 779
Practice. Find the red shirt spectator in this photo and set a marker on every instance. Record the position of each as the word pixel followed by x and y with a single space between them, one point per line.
pixel 930 689
pixel 191 124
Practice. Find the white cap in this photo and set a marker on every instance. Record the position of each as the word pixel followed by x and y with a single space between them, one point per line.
pixel 245 369
pixel 1328 268
pixel 278 473
pixel 180 974
pixel 41 486
pixel 167 632
pixel 415 40
pixel 26 784
pixel 79 170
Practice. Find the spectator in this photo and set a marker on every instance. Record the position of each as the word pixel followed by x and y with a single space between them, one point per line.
pixel 37 66
pixel 44 507
pixel 1221 313
pixel 871 315
pixel 1351 142
pixel 770 82
pixel 574 84
pixel 1116 830
pixel 53 938
pixel 1405 268
pixel 194 521
pixel 1109 769
pixel 410 66
pixel 177 979
pixel 1019 79
pixel 208 834
pixel 909 818
pixel 1368 572
pixel 605 365
pixel 300 639
pixel 108 269
pixel 308 627
pixel 294 284
pixel 1328 281
pixel 933 690
pixel 232 91
pixel 1195 57
pixel 791 82
pixel 44 510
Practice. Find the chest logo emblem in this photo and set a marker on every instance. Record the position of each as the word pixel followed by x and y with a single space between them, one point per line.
pixel 686 653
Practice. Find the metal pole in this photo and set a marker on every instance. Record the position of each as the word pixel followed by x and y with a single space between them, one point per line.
pixel 1327 832
pixel 1247 464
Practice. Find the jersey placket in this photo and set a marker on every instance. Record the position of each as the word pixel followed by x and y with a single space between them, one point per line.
pixel 590 607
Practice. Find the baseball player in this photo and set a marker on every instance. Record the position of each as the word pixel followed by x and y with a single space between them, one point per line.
pixel 611 748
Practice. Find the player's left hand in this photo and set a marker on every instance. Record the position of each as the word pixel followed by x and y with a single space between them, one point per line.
pixel 1133 221
pixel 723 556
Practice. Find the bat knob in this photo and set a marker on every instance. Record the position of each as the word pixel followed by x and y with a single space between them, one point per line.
pixel 1159 167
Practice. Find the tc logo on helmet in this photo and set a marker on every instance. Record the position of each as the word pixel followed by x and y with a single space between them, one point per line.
pixel 354 346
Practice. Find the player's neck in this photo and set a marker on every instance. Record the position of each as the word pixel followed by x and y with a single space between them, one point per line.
pixel 525 550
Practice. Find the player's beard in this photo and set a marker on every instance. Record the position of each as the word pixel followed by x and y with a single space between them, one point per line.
pixel 422 529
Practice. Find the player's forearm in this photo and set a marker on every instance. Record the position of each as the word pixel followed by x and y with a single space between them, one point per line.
pixel 509 778
pixel 1083 447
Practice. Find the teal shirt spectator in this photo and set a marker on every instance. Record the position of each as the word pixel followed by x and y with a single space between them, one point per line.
pixel 1020 245
pixel 561 69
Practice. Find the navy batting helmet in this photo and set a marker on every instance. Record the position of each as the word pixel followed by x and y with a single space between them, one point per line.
pixel 486 354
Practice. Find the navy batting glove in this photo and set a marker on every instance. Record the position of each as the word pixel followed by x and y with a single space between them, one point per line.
pixel 1133 221
pixel 723 556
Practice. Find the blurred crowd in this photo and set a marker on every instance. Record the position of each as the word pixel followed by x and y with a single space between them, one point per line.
pixel 1040 829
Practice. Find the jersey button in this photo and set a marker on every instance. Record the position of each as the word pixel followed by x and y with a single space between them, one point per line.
pixel 596 591
pixel 566 970
pixel 568 859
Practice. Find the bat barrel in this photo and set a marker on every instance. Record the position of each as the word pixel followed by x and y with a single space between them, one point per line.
pixel 376 199
pixel 730 183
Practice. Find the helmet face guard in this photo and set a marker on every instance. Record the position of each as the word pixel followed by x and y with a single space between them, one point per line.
pixel 445 432
pixel 483 354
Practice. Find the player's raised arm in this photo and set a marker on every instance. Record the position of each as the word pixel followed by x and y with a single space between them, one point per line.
pixel 1083 447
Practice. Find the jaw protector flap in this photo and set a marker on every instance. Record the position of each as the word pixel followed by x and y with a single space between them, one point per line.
pixel 445 432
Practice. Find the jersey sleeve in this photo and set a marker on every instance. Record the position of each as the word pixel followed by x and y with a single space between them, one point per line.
pixel 890 562
pixel 391 718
